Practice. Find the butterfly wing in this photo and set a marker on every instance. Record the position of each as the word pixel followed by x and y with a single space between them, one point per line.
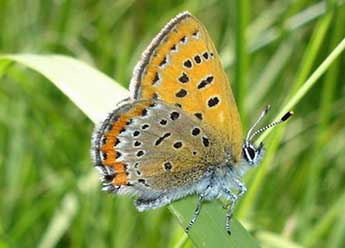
pixel 149 148
pixel 181 66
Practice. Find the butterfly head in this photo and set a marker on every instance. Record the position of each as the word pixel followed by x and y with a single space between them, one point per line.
pixel 253 154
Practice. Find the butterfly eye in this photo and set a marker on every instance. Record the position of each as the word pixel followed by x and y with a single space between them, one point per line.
pixel 249 153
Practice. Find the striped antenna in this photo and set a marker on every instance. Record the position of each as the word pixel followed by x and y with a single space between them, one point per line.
pixel 284 118
pixel 262 115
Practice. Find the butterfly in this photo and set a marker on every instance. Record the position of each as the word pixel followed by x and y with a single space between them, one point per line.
pixel 180 132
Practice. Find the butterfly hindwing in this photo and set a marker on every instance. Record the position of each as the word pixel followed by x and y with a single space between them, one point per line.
pixel 181 66
pixel 150 146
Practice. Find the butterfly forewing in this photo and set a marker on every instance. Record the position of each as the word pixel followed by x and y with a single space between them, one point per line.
pixel 182 67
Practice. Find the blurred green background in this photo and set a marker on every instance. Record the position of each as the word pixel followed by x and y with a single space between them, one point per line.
pixel 296 198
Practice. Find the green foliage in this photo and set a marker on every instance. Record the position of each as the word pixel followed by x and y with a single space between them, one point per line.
pixel 49 194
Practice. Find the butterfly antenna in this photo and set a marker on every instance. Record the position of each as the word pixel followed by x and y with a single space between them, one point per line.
pixel 284 118
pixel 263 113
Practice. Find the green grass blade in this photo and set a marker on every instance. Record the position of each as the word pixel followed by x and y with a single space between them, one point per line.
pixel 274 68
pixel 60 222
pixel 269 239
pixel 317 162
pixel 310 82
pixel 241 71
pixel 326 221
pixel 211 219
pixel 73 78
pixel 292 24
pixel 312 51
pixel 96 94
pixel 310 56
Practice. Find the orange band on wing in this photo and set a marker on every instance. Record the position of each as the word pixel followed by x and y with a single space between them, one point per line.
pixel 111 139
pixel 119 167
pixel 118 126
pixel 120 179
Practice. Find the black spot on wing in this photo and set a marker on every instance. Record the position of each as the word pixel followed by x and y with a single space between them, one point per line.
pixel 183 78
pixel 177 144
pixel 205 55
pixel 188 63
pixel 136 133
pixel 181 93
pixel 205 82
pixel 174 115
pixel 140 153
pixel 163 122
pixel 137 143
pixel 145 126
pixel 118 154
pixel 197 59
pixel 173 48
pixel 205 141
pixel 155 79
pixel 167 166
pixel 212 102
pixel 196 131
pixel 144 113
pixel 163 62
pixel 198 115
pixel 162 138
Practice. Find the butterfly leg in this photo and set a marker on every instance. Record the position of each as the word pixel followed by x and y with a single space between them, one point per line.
pixel 195 215
pixel 230 207
pixel 241 188
pixel 234 198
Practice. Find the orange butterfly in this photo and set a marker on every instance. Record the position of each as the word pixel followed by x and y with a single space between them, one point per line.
pixel 180 133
